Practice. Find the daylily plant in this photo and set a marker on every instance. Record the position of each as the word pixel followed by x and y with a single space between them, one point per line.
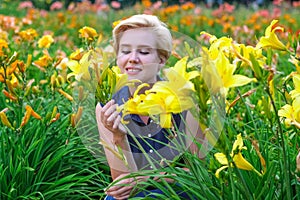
pixel 221 52
pixel 80 69
pixel 270 40
pixel 291 113
pixel 165 97
pixel 45 41
pixel 296 92
pixel 237 158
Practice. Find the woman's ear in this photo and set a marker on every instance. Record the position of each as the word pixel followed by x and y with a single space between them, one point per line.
pixel 162 62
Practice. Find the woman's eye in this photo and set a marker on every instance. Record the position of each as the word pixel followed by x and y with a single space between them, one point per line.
pixel 125 52
pixel 144 52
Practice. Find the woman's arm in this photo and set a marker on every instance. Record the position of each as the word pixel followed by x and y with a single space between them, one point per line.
pixel 195 135
pixel 114 140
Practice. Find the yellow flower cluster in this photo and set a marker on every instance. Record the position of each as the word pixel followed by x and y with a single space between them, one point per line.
pixel 237 158
pixel 165 97
pixel 291 113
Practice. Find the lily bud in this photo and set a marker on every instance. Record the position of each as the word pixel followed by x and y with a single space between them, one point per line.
pixel 4 120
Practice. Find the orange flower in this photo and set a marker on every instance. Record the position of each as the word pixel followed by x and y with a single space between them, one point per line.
pixel 28 35
pixel 146 3
pixel 54 119
pixel 69 97
pixel 4 119
pixel 42 62
pixel 3 44
pixel 9 95
pixel 188 5
pixel 75 117
pixel 88 33
pixel 25 118
pixel 78 114
pixel 29 112
pixel 33 113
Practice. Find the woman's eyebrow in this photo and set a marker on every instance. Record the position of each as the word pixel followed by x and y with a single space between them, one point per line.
pixel 139 46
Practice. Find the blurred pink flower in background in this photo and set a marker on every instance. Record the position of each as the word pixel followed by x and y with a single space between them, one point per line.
pixel 57 5
pixel 277 2
pixel 197 10
pixel 224 8
pixel 276 13
pixel 43 13
pixel 227 7
pixel 25 4
pixel 115 4
pixel 264 13
pixel 296 4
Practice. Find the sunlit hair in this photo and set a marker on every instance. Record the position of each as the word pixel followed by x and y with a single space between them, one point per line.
pixel 163 35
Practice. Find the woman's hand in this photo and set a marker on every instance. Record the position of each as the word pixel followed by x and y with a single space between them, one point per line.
pixel 111 119
pixel 123 188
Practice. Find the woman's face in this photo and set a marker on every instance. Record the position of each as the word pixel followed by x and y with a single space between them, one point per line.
pixel 137 55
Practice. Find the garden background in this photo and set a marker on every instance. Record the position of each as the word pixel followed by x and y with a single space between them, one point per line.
pixel 256 155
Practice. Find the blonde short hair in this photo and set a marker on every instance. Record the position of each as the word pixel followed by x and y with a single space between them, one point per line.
pixel 163 35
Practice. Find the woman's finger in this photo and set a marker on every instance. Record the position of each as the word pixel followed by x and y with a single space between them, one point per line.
pixel 113 116
pixel 121 192
pixel 117 122
pixel 107 110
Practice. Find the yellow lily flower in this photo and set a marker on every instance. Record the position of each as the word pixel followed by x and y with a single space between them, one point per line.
pixel 178 78
pixel 212 38
pixel 28 34
pixel 121 79
pixel 180 69
pixel 226 72
pixel 243 53
pixel 210 74
pixel 131 106
pixel 296 62
pixel 88 33
pixel 80 69
pixel 222 44
pixel 291 113
pixel 216 64
pixel 296 92
pixel 165 97
pixel 270 40
pixel 77 55
pixel 237 157
pixel 45 41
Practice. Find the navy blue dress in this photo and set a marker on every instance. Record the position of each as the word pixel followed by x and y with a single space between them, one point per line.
pixel 151 145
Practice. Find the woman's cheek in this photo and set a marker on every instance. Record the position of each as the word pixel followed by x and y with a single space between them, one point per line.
pixel 121 64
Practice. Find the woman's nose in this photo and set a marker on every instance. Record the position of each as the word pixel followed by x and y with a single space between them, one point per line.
pixel 133 57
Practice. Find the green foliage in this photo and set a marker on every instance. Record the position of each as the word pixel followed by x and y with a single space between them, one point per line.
pixel 47 161
pixel 55 157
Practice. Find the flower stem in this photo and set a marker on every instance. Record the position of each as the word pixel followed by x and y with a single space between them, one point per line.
pixel 282 143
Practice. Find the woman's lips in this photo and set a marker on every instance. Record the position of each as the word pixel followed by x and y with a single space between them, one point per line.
pixel 132 70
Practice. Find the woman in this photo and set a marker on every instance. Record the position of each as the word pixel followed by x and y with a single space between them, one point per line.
pixel 142 44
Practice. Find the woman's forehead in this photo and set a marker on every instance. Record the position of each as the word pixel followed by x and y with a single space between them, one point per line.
pixel 138 37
